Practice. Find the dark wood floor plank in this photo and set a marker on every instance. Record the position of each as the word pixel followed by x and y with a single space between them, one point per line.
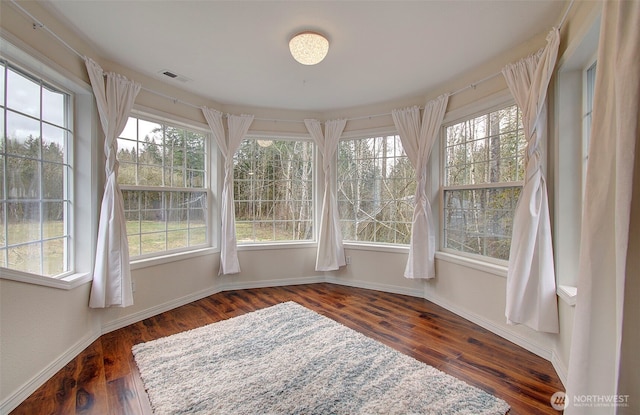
pixel 104 378
pixel 115 350
pixel 91 389
pixel 123 397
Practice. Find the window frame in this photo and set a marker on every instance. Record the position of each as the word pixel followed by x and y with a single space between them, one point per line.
pixel 67 164
pixel 315 187
pixel 82 155
pixel 485 106
pixel 372 245
pixel 169 255
pixel 568 147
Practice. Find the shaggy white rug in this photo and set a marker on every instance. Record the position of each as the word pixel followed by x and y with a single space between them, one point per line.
pixel 287 359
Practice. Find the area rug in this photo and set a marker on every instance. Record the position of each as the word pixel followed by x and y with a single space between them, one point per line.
pixel 287 359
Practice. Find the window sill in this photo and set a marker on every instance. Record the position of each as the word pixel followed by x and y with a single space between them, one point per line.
pixel 401 249
pixel 495 269
pixel 164 259
pixel 68 282
pixel 568 294
pixel 260 246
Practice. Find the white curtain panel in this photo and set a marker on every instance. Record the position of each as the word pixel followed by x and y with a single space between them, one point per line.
pixel 417 139
pixel 330 254
pixel 531 282
pixel 595 359
pixel 238 127
pixel 112 274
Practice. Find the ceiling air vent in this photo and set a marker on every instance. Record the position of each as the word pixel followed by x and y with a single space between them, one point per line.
pixel 173 75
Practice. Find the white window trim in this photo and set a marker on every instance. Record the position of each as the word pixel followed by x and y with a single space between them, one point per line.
pixel 376 247
pixel 568 294
pixel 267 245
pixel 171 256
pixel 85 155
pixel 477 262
pixel 493 102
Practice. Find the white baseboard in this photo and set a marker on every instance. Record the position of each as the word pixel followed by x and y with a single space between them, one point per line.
pixel 491 326
pixel 230 286
pixel 376 286
pixel 560 367
pixel 158 309
pixel 11 402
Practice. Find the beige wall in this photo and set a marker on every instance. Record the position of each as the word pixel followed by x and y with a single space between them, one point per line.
pixel 43 327
pixel 39 328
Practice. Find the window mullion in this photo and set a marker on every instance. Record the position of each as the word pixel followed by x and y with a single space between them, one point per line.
pixel 483 186
pixel 41 185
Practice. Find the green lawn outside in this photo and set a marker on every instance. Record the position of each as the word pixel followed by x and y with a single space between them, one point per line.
pixel 149 237
pixel 144 237
pixel 28 257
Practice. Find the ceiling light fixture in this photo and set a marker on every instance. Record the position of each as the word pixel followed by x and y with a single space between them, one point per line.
pixel 309 48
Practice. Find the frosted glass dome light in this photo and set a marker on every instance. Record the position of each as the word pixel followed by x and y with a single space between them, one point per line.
pixel 309 48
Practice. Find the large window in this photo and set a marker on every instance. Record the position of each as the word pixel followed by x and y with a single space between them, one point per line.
pixel 163 177
pixel 35 143
pixel 376 188
pixel 273 190
pixel 483 174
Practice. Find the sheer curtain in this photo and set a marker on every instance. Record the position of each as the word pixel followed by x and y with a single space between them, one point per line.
pixel 417 139
pixel 112 274
pixel 238 127
pixel 595 360
pixel 330 249
pixel 531 282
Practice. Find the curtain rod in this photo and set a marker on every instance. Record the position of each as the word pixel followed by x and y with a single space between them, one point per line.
pixel 39 25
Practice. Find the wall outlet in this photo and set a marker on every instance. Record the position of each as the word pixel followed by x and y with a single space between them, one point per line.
pixel 348 260
pixel 133 286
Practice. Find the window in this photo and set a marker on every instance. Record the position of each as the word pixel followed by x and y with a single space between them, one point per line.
pixel 483 173
pixel 376 188
pixel 164 179
pixel 568 145
pixel 273 190
pixel 35 174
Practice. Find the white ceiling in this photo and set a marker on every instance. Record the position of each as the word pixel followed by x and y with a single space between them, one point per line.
pixel 236 52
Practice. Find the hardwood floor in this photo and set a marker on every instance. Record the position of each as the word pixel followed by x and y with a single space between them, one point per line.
pixel 104 378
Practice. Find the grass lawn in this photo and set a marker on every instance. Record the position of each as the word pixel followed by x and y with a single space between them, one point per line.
pixel 149 237
pixel 29 257
pixel 144 237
